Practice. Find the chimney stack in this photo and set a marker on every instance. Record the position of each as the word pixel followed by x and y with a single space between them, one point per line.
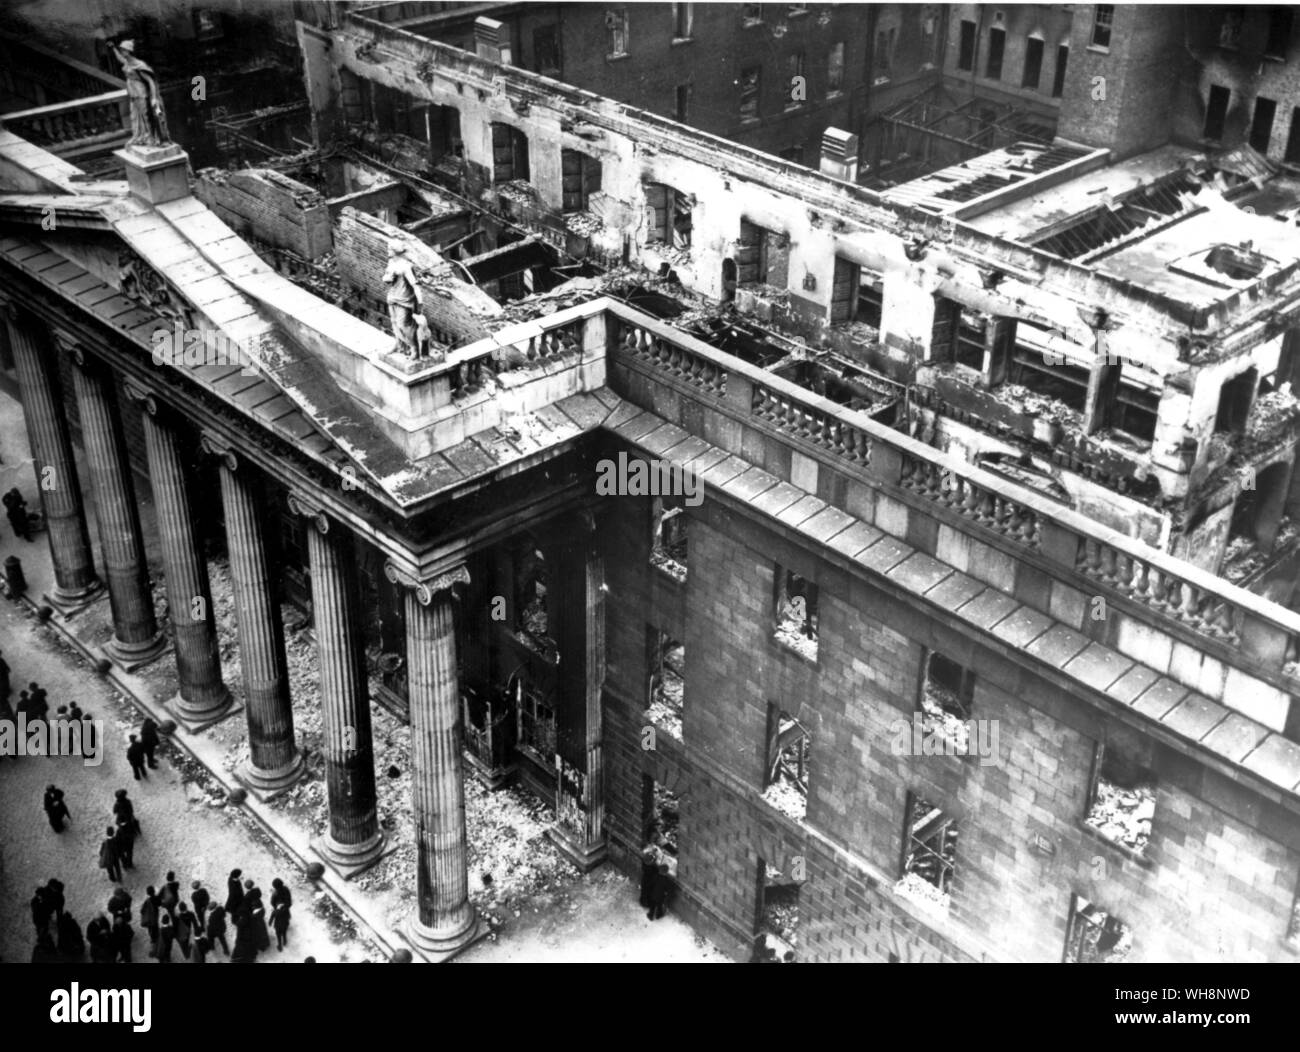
pixel 492 40
pixel 840 155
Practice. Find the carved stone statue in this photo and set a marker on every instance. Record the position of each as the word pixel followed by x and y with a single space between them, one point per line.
pixel 148 119
pixel 404 299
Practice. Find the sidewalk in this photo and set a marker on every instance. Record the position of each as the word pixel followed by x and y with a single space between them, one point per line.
pixel 538 906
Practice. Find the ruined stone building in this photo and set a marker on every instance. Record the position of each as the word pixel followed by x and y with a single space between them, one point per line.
pixel 978 642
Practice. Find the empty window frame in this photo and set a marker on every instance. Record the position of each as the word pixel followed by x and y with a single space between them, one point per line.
pixel 969 347
pixel 789 748
pixel 750 79
pixel 1066 383
pixel 947 697
pixel 531 614
pixel 1033 63
pixel 1236 397
pixel 667 681
pixel 751 14
pixel 509 154
pixel 683 21
pixel 795 612
pixel 1058 81
pixel 580 178
pixel 616 37
pixel 1216 112
pixel 997 49
pixel 795 78
pixel 835 69
pixel 856 294
pixel 535 726
pixel 1094 936
pixel 1122 802
pixel 884 59
pixel 1292 155
pixel 670 216
pixel 662 815
pixel 762 256
pixel 966 47
pixel 1230 28
pixel 929 853
pixel 546 50
pixel 682 103
pixel 1103 20
pixel 1280 21
pixel 1261 124
pixel 777 929
pixel 668 541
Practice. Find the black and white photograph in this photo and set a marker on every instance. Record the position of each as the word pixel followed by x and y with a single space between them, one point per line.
pixel 651 483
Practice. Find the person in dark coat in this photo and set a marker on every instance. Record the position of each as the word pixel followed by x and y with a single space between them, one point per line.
pixel 123 808
pixel 170 895
pixel 37 707
pixel 55 809
pixel 122 935
pixel 16 509
pixel 649 870
pixel 99 935
pixel 124 838
pixel 108 859
pixel 201 899
pixel 166 936
pixel 217 928
pixel 119 902
pixel 71 945
pixel 40 911
pixel 74 712
pixel 54 897
pixel 659 889
pixel 135 757
pixel 234 892
pixel 149 739
pixel 257 917
pixel 199 951
pixel 45 952
pixel 149 910
pixel 280 924
pixel 280 894
pixel 184 926
pixel 245 941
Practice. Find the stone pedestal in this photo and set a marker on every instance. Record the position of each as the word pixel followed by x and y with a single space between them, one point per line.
pixel 75 582
pixel 136 640
pixel 156 174
pixel 446 922
pixel 354 840
pixel 275 762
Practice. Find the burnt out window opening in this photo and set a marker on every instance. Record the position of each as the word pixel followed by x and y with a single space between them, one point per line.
pixel 1122 803
pixel 966 48
pixel 750 79
pixel 969 349
pixel 535 715
pixel 997 48
pixel 667 682
pixel 1261 124
pixel 856 295
pixel 670 216
pixel 509 154
pixel 683 20
pixel 1033 63
pixel 1216 112
pixel 796 613
pixel 1230 27
pixel 751 14
pixel 546 50
pixel 1292 155
pixel 580 178
pixel 682 103
pixel 1280 21
pixel 662 815
pixel 789 747
pixel 616 35
pixel 1058 81
pixel 1094 936
pixel 668 547
pixel 929 853
pixel 762 256
pixel 835 69
pixel 1235 400
pixel 947 696
pixel 776 939
pixel 884 54
pixel 533 623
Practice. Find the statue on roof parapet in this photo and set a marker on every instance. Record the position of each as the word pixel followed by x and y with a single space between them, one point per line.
pixel 148 118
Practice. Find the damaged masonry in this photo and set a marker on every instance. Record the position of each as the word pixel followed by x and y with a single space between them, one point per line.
pixel 754 524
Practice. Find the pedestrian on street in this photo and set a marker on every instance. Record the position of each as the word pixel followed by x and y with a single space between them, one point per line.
pixel 659 892
pixel 123 934
pixel 122 806
pixel 16 509
pixel 280 922
pixel 40 911
pixel 234 892
pixel 200 897
pixel 149 910
pixel 257 916
pixel 119 902
pixel 45 951
pixel 149 739
pixel 54 897
pixel 173 890
pixel 199 952
pixel 74 711
pixel 166 935
pixel 124 838
pixel 55 809
pixel 184 927
pixel 280 894
pixel 37 706
pixel 71 945
pixel 99 935
pixel 245 941
pixel 108 859
pixel 217 928
pixel 135 757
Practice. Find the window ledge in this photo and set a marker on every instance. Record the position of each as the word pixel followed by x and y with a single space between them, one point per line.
pixel 619 57
pixel 750 23
pixel 1098 49
pixel 838 93
pixel 1141 858
pixel 800 13
pixel 1281 59
pixel 792 648
pixel 678 41
pixel 750 120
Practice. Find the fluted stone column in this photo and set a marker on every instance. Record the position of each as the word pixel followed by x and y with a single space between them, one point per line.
pixel 203 698
pixel 354 840
pixel 136 640
pixel 275 762
pixel 75 580
pixel 579 584
pixel 446 921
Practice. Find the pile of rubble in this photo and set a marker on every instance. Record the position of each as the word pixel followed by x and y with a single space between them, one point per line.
pixel 1123 815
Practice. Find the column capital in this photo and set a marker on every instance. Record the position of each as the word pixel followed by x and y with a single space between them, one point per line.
pixel 69 345
pixel 302 504
pixel 426 590
pixel 215 446
pixel 137 392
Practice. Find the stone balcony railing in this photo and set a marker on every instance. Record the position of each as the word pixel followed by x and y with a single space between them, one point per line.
pixel 99 123
pixel 1142 586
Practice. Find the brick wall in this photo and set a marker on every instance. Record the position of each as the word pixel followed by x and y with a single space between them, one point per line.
pixel 1217 878
pixel 458 312
pixel 269 206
